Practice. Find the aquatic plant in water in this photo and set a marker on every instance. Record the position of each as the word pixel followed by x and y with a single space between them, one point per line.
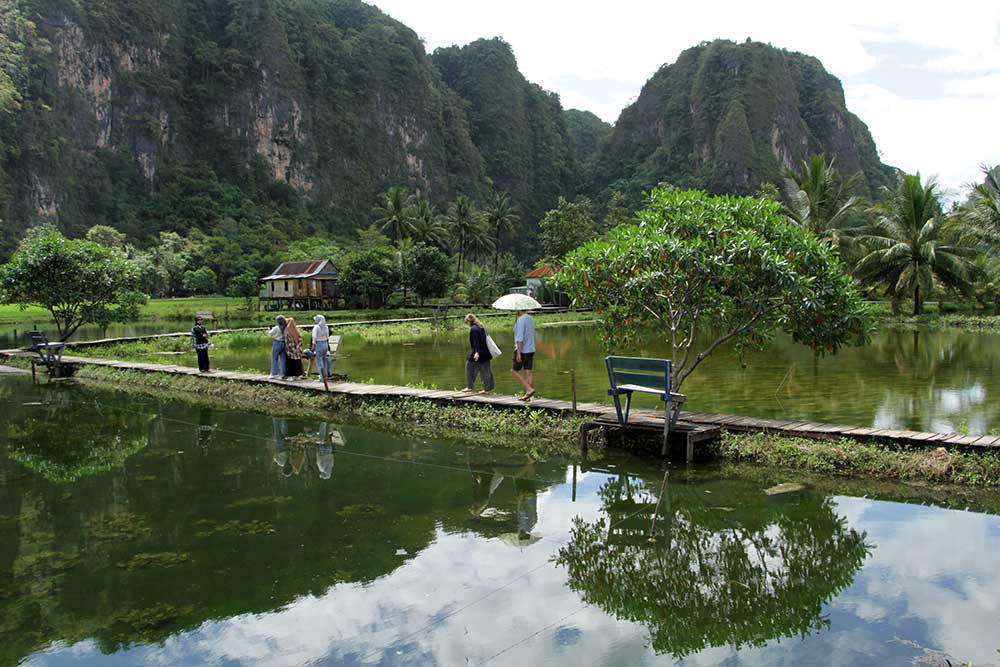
pixel 234 526
pixel 361 511
pixel 261 501
pixel 117 527
pixel 163 559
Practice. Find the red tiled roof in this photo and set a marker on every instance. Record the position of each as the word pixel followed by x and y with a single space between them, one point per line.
pixel 540 272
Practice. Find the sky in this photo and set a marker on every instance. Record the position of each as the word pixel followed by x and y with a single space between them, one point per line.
pixel 924 76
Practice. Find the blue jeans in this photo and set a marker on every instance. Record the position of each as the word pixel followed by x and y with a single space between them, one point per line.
pixel 323 358
pixel 278 358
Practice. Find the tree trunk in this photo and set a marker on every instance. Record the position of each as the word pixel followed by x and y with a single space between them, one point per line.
pixel 918 306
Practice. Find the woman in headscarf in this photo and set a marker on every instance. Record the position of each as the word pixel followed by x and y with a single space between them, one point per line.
pixel 277 334
pixel 478 361
pixel 293 350
pixel 321 345
pixel 199 338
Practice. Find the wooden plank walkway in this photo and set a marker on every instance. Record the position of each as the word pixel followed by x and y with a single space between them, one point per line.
pixel 600 413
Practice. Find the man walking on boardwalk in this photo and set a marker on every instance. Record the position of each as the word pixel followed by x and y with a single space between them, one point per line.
pixel 524 353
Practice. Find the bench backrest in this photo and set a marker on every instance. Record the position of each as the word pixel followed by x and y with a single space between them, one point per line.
pixel 38 339
pixel 335 345
pixel 641 371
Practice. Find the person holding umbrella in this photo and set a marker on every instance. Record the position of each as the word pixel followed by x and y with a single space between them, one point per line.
pixel 524 339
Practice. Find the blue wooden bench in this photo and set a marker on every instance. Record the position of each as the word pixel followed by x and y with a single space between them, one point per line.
pixel 628 375
pixel 50 354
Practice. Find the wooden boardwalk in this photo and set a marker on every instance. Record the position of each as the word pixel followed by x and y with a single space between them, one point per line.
pixel 604 415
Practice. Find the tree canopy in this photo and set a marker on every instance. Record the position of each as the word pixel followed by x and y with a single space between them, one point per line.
pixel 78 282
pixel 705 271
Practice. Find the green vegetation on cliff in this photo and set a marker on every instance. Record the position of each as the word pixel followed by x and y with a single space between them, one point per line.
pixel 730 117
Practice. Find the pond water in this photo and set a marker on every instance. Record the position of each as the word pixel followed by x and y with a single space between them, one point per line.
pixel 928 380
pixel 135 531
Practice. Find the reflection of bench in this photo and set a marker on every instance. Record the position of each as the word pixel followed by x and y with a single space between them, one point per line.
pixel 628 375
pixel 50 354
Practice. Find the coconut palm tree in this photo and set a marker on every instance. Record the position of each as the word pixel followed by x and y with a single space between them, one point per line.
pixel 909 249
pixel 823 201
pixel 980 215
pixel 428 225
pixel 820 199
pixel 500 217
pixel 464 221
pixel 395 212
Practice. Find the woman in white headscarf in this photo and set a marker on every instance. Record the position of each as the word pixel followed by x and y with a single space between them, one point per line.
pixel 321 345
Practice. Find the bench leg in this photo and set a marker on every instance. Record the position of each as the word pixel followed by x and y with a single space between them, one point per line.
pixel 666 429
pixel 618 407
pixel 628 405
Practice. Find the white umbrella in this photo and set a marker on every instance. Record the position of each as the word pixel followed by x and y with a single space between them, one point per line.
pixel 516 302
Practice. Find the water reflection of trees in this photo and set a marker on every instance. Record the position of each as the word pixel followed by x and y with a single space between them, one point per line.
pixel 745 570
pixel 63 439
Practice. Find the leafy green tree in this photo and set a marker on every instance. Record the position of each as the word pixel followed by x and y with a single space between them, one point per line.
pixel 200 281
pixel 509 273
pixel 618 212
pixel 501 218
pixel 372 239
pixel 909 248
pixel 477 285
pixel 428 226
pixel 820 199
pixel 109 237
pixel 464 222
pixel 368 277
pixel 394 213
pixel 243 285
pixel 312 247
pixel 428 271
pixel 78 282
pixel 707 271
pixel 566 227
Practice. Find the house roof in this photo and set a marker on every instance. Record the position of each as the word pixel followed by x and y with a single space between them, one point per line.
pixel 320 269
pixel 540 272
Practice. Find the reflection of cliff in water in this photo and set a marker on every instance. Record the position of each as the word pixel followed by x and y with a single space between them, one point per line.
pixel 730 567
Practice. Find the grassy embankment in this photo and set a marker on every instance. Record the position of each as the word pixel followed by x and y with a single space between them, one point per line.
pixel 158 350
pixel 224 308
pixel 538 433
pixel 868 459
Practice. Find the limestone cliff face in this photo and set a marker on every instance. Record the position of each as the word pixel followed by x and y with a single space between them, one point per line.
pixel 727 117
pixel 329 98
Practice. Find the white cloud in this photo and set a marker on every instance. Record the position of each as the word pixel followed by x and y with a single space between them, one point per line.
pixel 560 44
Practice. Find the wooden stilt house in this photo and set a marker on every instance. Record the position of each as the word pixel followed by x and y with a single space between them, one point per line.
pixel 305 285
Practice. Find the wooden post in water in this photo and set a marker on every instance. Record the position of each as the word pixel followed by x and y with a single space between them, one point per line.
pixel 572 381
pixel 34 379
